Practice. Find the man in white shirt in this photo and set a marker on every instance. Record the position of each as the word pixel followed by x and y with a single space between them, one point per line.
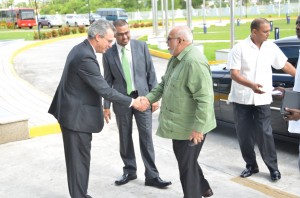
pixel 250 64
pixel 294 116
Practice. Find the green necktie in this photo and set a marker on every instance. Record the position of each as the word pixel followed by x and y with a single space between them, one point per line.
pixel 126 69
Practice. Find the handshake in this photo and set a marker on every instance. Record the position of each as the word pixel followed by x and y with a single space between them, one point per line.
pixel 141 103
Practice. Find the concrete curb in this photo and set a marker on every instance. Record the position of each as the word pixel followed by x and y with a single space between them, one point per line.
pixel 43 129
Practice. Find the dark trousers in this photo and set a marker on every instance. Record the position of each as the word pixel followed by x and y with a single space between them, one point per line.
pixel 192 179
pixel 77 147
pixel 144 125
pixel 254 123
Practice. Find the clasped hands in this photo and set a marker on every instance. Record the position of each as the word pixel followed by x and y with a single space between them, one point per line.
pixel 141 103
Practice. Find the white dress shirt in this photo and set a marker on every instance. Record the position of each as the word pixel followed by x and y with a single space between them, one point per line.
pixel 255 65
pixel 294 126
pixel 129 56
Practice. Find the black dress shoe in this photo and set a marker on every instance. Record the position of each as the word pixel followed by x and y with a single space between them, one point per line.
pixel 157 182
pixel 275 175
pixel 208 193
pixel 249 171
pixel 125 179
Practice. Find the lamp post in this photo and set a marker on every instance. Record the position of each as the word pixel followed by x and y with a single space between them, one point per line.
pixel 189 13
pixel 154 13
pixel 37 18
pixel 220 11
pixel 246 7
pixel 12 15
pixel 89 8
pixel 138 13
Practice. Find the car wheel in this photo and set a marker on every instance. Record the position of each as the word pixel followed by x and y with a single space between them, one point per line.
pixel 40 25
pixel 49 25
pixel 59 26
pixel 76 24
pixel 68 24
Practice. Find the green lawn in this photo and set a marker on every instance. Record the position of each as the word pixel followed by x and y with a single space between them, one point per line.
pixel 26 34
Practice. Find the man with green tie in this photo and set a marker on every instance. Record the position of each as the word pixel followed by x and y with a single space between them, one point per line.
pixel 129 69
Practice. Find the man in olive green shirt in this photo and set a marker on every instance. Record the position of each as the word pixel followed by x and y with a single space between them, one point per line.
pixel 187 112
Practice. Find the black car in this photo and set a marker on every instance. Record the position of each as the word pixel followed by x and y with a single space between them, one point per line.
pixel 222 82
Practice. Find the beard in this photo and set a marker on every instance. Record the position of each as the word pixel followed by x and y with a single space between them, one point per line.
pixel 171 51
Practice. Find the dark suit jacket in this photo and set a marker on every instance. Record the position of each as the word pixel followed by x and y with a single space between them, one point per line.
pixel 143 71
pixel 77 103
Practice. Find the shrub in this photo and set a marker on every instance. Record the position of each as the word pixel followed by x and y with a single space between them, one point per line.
pixel 43 36
pixel 74 30
pixel 61 32
pixel 81 29
pixel 136 25
pixel 160 23
pixel 142 24
pixel 10 25
pixel 54 33
pixel 48 35
pixel 149 24
pixel 3 24
pixel 35 35
pixel 67 30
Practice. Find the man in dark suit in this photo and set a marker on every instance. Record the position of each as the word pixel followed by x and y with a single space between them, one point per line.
pixel 77 104
pixel 137 78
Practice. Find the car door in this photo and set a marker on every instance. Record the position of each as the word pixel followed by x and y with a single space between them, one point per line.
pixel 222 84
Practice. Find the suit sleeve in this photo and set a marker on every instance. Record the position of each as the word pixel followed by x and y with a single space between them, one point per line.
pixel 108 77
pixel 151 75
pixel 89 72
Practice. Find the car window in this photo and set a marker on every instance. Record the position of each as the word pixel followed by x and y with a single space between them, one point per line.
pixel 292 53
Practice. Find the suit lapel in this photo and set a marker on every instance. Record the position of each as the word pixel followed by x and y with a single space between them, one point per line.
pixel 115 54
pixel 134 51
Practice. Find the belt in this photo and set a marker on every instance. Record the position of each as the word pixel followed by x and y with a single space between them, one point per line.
pixel 134 94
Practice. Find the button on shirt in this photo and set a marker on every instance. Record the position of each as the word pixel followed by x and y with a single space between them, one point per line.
pixel 129 56
pixel 255 65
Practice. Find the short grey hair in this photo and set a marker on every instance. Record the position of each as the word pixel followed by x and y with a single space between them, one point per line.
pixel 100 27
pixel 185 32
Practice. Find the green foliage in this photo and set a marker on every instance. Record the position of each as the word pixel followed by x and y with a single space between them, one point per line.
pixel 74 30
pixel 10 25
pixel 54 33
pixel 81 29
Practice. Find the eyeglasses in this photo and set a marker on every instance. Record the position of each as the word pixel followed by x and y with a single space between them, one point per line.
pixel 123 34
pixel 169 38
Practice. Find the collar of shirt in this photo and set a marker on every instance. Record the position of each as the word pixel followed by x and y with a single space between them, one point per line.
pixel 127 47
pixel 93 49
pixel 249 40
pixel 184 52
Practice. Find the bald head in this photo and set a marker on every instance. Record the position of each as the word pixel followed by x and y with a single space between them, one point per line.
pixel 182 32
pixel 178 39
